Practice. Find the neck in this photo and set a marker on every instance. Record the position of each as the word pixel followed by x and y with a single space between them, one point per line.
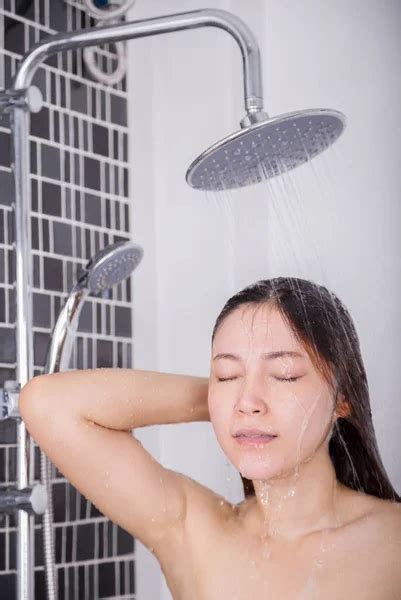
pixel 302 502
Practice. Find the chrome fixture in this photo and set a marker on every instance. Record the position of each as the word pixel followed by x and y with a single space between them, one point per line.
pixel 111 9
pixel 30 98
pixel 9 397
pixel 107 268
pixel 255 122
pixel 265 149
pixel 32 500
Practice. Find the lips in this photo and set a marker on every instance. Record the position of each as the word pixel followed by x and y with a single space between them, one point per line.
pixel 255 441
pixel 253 433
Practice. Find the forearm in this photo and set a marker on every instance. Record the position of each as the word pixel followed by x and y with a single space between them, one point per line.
pixel 121 399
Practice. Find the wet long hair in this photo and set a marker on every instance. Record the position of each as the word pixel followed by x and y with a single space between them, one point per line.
pixel 324 327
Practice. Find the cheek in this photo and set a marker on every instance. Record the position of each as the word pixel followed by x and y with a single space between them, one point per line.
pixel 306 416
pixel 220 413
pixel 217 411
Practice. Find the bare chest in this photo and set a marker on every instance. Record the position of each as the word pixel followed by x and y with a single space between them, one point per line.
pixel 352 564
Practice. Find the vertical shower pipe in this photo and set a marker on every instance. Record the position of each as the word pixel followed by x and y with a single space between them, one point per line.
pixel 24 338
pixel 20 120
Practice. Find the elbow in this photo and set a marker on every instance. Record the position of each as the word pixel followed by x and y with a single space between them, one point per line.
pixel 32 400
pixel 39 412
pixel 45 399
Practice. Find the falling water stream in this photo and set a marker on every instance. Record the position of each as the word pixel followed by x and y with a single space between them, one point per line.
pixel 294 246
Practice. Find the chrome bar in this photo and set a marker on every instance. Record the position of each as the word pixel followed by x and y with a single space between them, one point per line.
pixel 253 98
pixel 146 27
pixel 19 120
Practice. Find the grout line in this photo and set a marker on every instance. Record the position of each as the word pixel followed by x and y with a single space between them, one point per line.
pixel 79 150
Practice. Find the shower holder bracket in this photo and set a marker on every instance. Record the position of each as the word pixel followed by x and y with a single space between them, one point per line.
pixel 30 98
pixel 32 499
pixel 9 400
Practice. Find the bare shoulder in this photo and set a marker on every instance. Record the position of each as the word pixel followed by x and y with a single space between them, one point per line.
pixel 384 535
pixel 376 521
pixel 360 505
pixel 384 512
pixel 388 516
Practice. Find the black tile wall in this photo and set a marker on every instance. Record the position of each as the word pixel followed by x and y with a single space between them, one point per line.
pixel 80 199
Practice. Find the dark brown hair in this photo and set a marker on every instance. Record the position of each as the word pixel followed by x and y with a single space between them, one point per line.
pixel 324 327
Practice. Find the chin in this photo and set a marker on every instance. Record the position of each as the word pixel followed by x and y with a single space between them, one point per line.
pixel 258 466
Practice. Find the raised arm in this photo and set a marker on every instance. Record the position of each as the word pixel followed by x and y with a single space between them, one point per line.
pixel 83 420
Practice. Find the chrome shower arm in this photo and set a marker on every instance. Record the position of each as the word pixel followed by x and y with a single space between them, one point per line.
pixel 225 20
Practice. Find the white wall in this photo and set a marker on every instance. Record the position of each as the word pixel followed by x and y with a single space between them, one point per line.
pixel 338 226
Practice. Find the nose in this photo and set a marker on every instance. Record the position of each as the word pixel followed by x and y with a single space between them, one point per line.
pixel 252 399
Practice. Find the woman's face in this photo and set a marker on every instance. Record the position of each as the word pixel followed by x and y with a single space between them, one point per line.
pixel 300 412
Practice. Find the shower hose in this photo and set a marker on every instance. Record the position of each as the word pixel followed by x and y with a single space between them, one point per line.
pixel 48 529
pixel 52 366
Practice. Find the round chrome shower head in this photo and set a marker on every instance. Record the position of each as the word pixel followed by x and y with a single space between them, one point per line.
pixel 265 149
pixel 107 268
pixel 111 265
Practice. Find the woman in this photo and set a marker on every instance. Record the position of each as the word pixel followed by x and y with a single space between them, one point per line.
pixel 285 362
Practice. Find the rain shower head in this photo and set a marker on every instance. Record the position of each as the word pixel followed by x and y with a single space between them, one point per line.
pixel 111 265
pixel 265 149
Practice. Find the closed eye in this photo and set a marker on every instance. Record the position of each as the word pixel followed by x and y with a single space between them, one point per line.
pixel 291 379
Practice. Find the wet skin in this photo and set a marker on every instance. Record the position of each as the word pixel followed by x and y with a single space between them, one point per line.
pixel 222 554
pixel 304 534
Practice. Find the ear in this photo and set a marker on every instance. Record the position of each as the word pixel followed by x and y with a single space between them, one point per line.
pixel 343 408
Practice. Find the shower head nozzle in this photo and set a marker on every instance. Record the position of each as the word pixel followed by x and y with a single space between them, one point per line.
pixel 265 149
pixel 111 265
pixel 107 268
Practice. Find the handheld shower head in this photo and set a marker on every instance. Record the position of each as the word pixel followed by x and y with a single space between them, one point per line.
pixel 110 266
pixel 265 149
pixel 107 268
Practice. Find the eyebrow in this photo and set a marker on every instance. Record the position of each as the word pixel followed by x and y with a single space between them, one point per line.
pixel 264 355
